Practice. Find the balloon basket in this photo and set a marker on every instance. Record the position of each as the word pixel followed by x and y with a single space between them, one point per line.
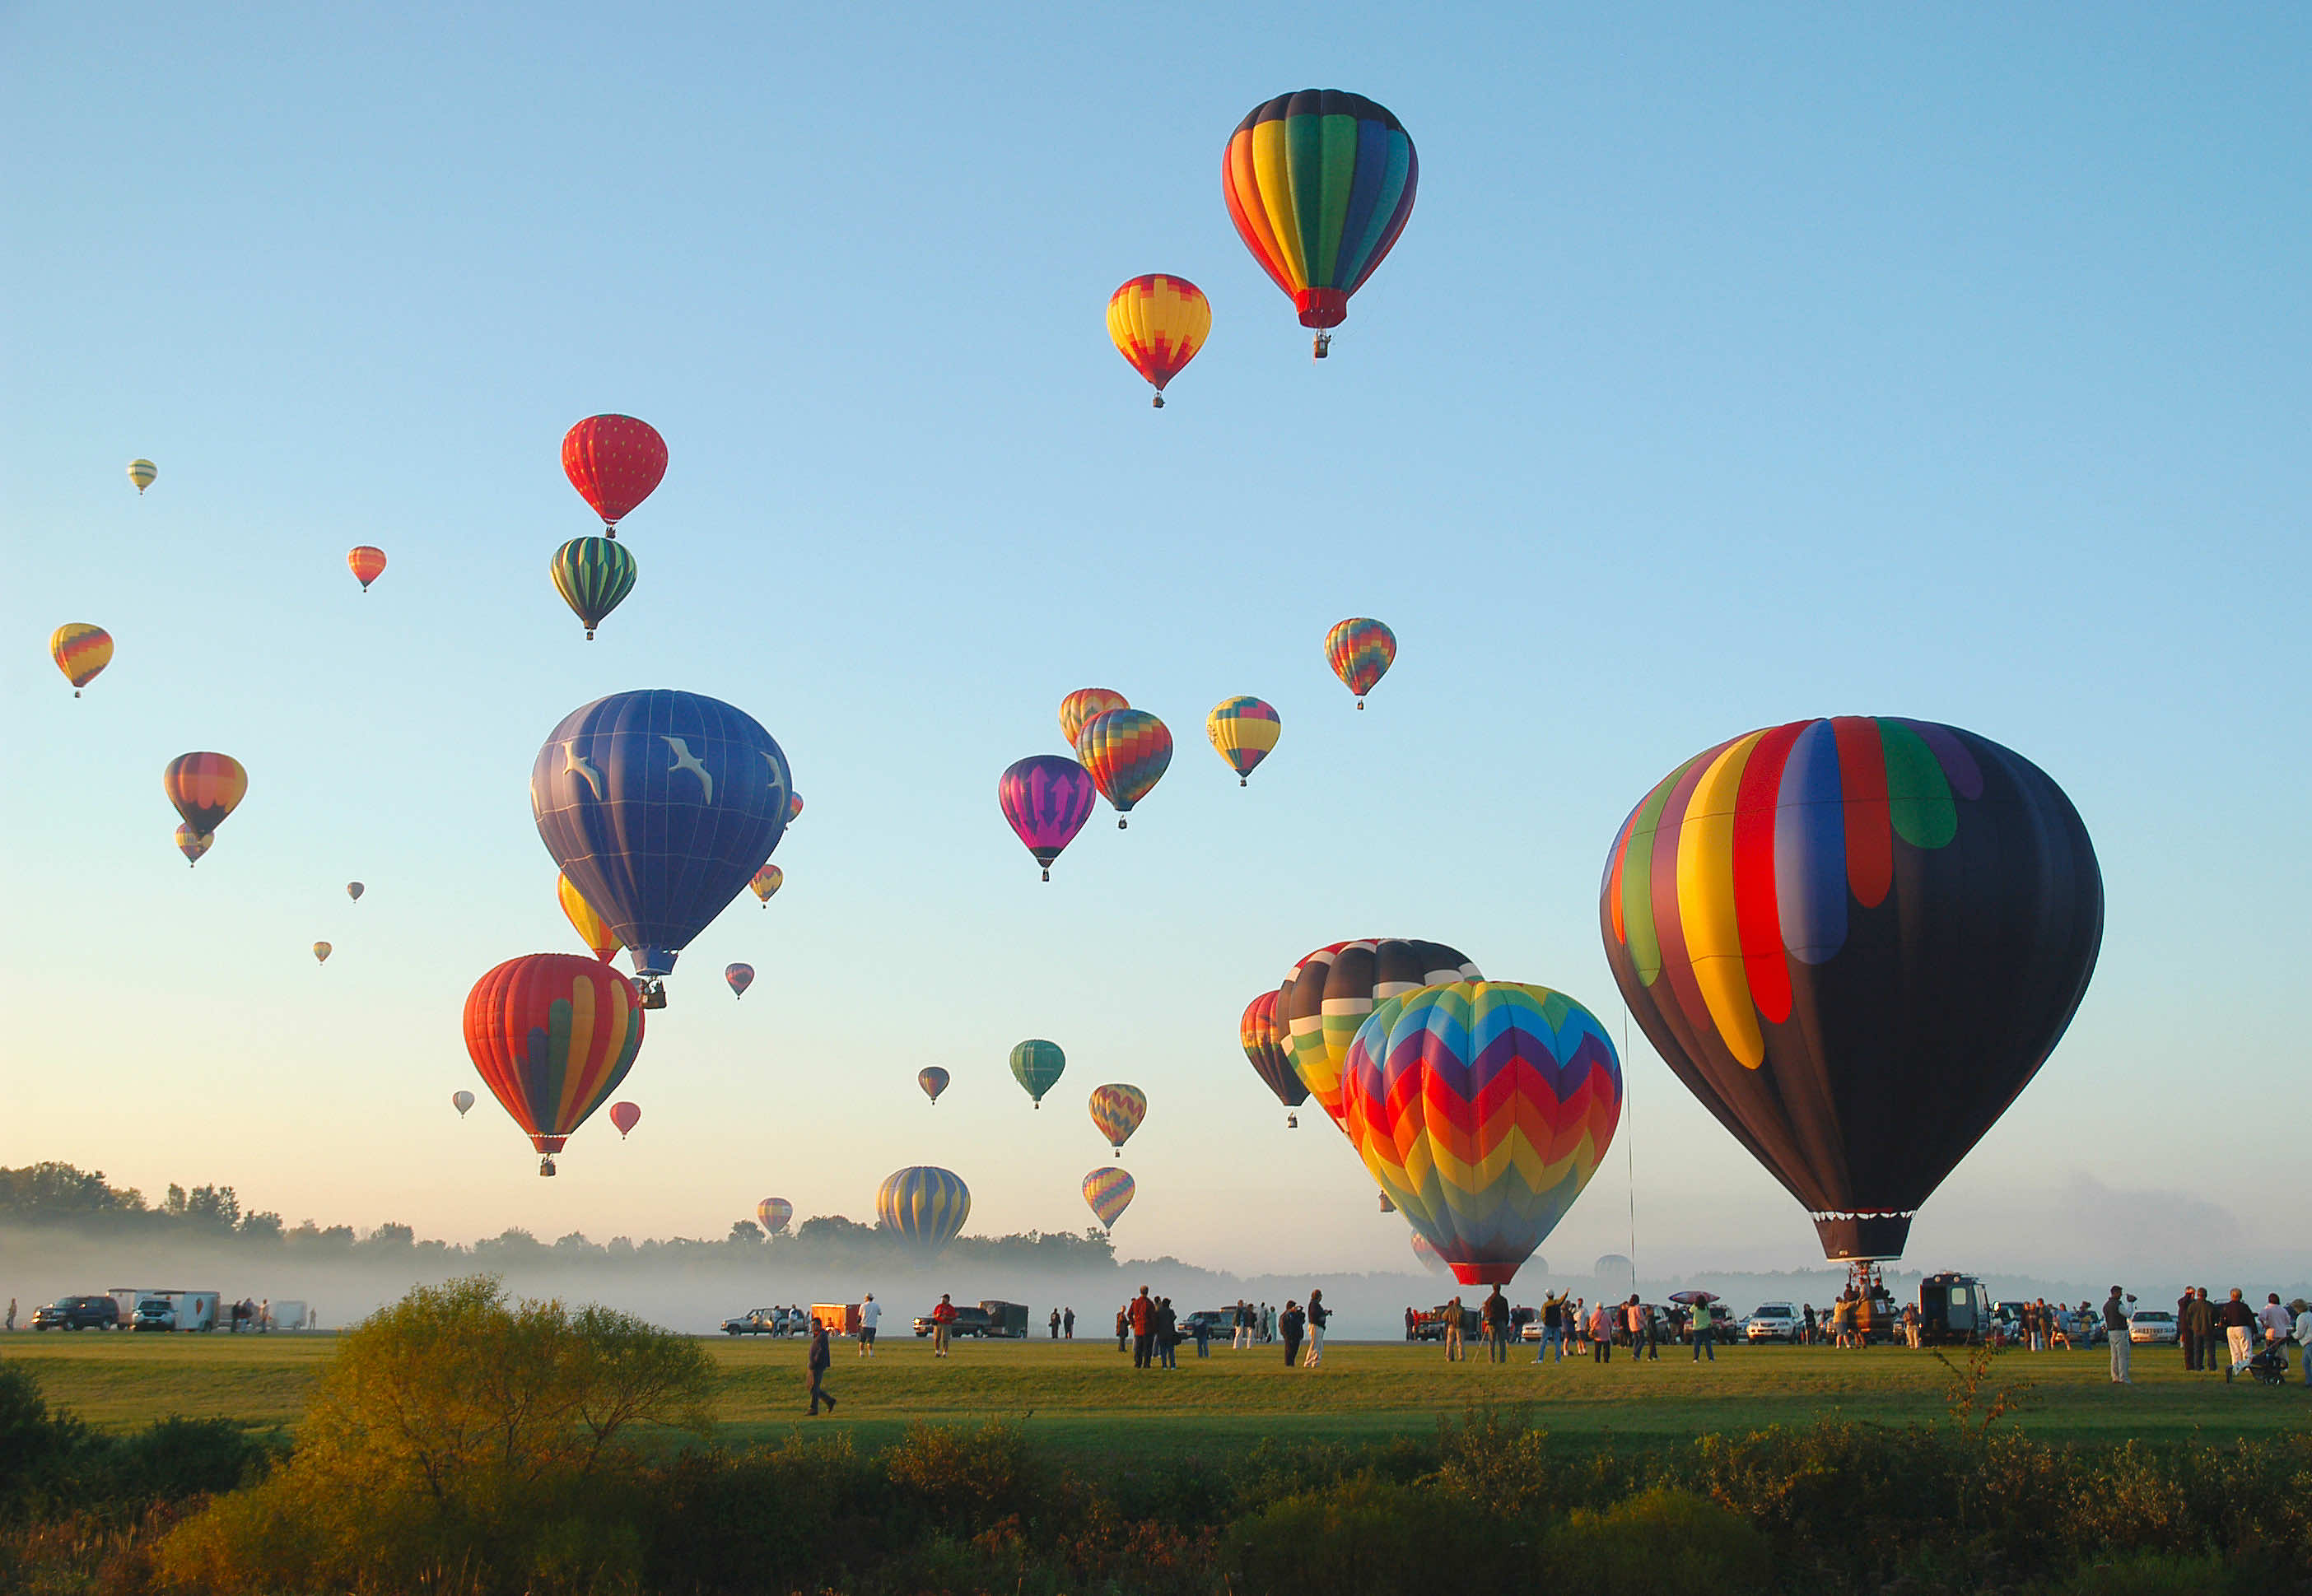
pixel 1244 780
pixel 1324 348
pixel 1120 822
pixel 1159 401
pixel 590 638
pixel 1047 872
pixel 545 1166
pixel 75 692
pixel 1292 1121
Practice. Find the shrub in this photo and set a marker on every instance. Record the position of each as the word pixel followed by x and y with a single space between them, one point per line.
pixel 966 1479
pixel 1372 1534
pixel 1662 1539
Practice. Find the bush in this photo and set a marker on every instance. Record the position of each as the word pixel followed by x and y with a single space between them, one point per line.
pixel 967 1480
pixel 1372 1534
pixel 1662 1539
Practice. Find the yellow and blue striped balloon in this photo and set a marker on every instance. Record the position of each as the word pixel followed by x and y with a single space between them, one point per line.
pixel 1109 1193
pixel 924 1206
pixel 1243 729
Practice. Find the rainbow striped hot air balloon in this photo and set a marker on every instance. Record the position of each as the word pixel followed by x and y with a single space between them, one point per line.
pixel 932 1080
pixel 1109 1193
pixel 80 652
pixel 1481 1110
pixel 1327 995
pixel 924 1206
pixel 1117 1112
pixel 552 1035
pixel 1359 650
pixel 1243 730
pixel 1128 753
pixel 773 1212
pixel 1264 1050
pixel 1157 323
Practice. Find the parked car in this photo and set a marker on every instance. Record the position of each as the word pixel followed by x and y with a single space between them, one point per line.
pixel 2151 1326
pixel 1220 1325
pixel 1952 1309
pixel 77 1313
pixel 155 1314
pixel 756 1321
pixel 1772 1322
pixel 968 1321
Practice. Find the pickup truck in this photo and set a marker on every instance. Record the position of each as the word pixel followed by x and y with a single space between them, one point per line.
pixel 756 1321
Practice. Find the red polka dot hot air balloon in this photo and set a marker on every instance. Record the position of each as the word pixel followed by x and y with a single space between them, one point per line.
pixel 367 562
pixel 615 462
pixel 1359 650
pixel 552 1035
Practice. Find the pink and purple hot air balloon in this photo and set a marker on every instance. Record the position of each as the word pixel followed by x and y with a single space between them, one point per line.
pixel 741 977
pixel 1046 799
pixel 625 1116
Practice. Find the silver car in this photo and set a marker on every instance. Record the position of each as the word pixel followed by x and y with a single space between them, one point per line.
pixel 2153 1327
pixel 1772 1322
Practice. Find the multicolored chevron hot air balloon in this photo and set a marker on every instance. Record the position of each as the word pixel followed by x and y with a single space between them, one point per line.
pixel 461 1100
pixel 1327 995
pixel 741 977
pixel 320 953
pixel 794 807
pixel 367 562
pixel 205 788
pixel 80 652
pixel 1481 1110
pixel 774 1212
pixel 1157 324
pixel 1109 1193
pixel 144 474
pixel 625 1116
pixel 1265 1051
pixel 925 1206
pixel 594 575
pixel 1117 1112
pixel 1046 799
pixel 592 929
pixel 1083 704
pixel 1319 184
pixel 1243 730
pixel 1128 753
pixel 193 843
pixel 932 1080
pixel 767 880
pixel 553 1034
pixel 615 462
pixel 1036 1065
pixel 1359 650
pixel 1855 940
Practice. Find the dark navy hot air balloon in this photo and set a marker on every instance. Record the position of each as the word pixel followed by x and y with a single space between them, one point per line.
pixel 659 807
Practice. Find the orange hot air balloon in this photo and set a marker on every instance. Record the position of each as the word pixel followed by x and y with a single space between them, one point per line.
pixel 80 652
pixel 592 929
pixel 1079 708
pixel 1157 323
pixel 206 788
pixel 367 564
pixel 552 1035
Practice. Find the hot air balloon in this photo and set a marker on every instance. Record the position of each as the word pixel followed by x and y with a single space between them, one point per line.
pixel 924 1206
pixel 614 461
pixel 461 1100
pixel 659 807
pixel 1036 1064
pixel 1046 799
pixel 1126 751
pixel 1481 1110
pixel 1423 1251
pixel 1083 704
pixel 592 929
pixel 594 575
pixel 143 473
pixel 1855 940
pixel 1266 1050
pixel 354 890
pixel 1327 995
pixel 320 953
pixel 1109 1193
pixel 80 652
pixel 773 1212
pixel 741 977
pixel 932 1080
pixel 192 844
pixel 1359 651
pixel 1319 184
pixel 767 880
pixel 1243 730
pixel 206 788
pixel 553 1034
pixel 1116 1110
pixel 625 1116
pixel 367 562
pixel 1157 323
pixel 794 807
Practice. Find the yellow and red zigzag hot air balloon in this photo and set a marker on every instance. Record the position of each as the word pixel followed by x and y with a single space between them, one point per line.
pixel 1157 323
pixel 80 652
pixel 1116 1110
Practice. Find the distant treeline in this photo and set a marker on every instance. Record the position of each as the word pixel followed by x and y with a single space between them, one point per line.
pixel 61 1197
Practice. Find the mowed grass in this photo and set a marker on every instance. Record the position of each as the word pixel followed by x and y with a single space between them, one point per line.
pixel 1085 1399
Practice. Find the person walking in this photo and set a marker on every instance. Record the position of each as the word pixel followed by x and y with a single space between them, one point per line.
pixel 1055 1324
pixel 942 1325
pixel 1552 1345
pixel 1702 1323
pixel 1124 1328
pixel 1144 1329
pixel 871 1314
pixel 1911 1326
pixel 2236 1319
pixel 1068 1325
pixel 1453 1330
pixel 1291 1326
pixel 12 1313
pixel 2115 1324
pixel 1497 1326
pixel 1319 1316
pixel 1601 1335
pixel 1201 1325
pixel 1168 1334
pixel 814 1367
pixel 1268 1324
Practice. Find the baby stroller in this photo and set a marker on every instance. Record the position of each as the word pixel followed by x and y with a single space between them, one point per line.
pixel 2268 1364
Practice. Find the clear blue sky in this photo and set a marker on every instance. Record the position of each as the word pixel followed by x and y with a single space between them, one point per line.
pixel 1735 367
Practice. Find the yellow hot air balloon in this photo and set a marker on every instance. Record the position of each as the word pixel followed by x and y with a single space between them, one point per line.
pixel 80 652
pixel 320 953
pixel 1157 323
pixel 143 473
pixel 589 926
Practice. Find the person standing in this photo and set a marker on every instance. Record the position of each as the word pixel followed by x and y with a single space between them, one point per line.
pixel 1318 1317
pixel 814 1367
pixel 1553 1329
pixel 1638 1325
pixel 12 1313
pixel 1806 1326
pixel 2199 1314
pixel 2277 1323
pixel 265 1315
pixel 2187 1337
pixel 1068 1325
pixel 1453 1330
pixel 1911 1326
pixel 2115 1324
pixel 1703 1341
pixel 1144 1329
pixel 1268 1324
pixel 1168 1334
pixel 1124 1328
pixel 1601 1334
pixel 1201 1325
pixel 1497 1326
pixel 1291 1327
pixel 1412 1322
pixel 2302 1329
pixel 942 1325
pixel 871 1314
pixel 2236 1319
pixel 1055 1324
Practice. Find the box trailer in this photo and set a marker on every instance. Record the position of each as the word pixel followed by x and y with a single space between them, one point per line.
pixel 841 1319
pixel 194 1310
pixel 1009 1320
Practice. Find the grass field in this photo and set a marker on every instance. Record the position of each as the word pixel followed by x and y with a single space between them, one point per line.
pixel 1085 1399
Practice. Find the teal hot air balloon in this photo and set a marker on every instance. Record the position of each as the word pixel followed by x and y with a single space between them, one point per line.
pixel 924 1206
pixel 594 575
pixel 1108 1191
pixel 1036 1064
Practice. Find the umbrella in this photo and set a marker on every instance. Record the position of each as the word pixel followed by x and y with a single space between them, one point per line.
pixel 1692 1297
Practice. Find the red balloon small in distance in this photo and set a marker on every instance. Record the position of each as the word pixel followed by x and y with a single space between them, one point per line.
pixel 367 562
pixel 625 1116
pixel 615 462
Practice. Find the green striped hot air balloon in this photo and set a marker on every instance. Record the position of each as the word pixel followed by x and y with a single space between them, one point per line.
pixel 594 575
pixel 1036 1064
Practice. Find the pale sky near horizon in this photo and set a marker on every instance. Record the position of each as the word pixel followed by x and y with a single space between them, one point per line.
pixel 1732 369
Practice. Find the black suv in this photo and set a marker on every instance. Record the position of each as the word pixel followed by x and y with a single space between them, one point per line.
pixel 78 1313
pixel 968 1321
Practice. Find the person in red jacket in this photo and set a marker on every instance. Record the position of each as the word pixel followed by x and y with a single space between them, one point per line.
pixel 943 1321
pixel 1144 1329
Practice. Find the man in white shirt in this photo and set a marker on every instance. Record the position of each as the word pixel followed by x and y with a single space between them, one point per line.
pixel 2304 1335
pixel 871 1314
pixel 2276 1324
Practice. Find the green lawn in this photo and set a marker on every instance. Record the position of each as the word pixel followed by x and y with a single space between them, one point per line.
pixel 1085 1397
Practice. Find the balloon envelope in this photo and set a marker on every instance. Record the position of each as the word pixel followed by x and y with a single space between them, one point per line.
pixel 1327 995
pixel 205 788
pixel 615 462
pixel 592 929
pixel 1046 799
pixel 193 843
pixel 367 564
pixel 1128 753
pixel 461 1100
pixel 774 1212
pixel 1036 1065
pixel 925 1206
pixel 767 880
pixel 1157 323
pixel 1481 1110
pixel 1116 1110
pixel 1265 1051
pixel 741 977
pixel 1359 650
pixel 594 575
pixel 1423 1250
pixel 552 1035
pixel 1242 731
pixel 625 1116
pixel 1855 940
pixel 659 807
pixel 1109 1193
pixel 794 807
pixel 144 474
pixel 80 652
pixel 1083 704
pixel 1319 184
pixel 932 1080
pixel 354 890
pixel 320 953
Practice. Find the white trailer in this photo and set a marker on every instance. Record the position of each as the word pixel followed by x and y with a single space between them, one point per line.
pixel 195 1310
